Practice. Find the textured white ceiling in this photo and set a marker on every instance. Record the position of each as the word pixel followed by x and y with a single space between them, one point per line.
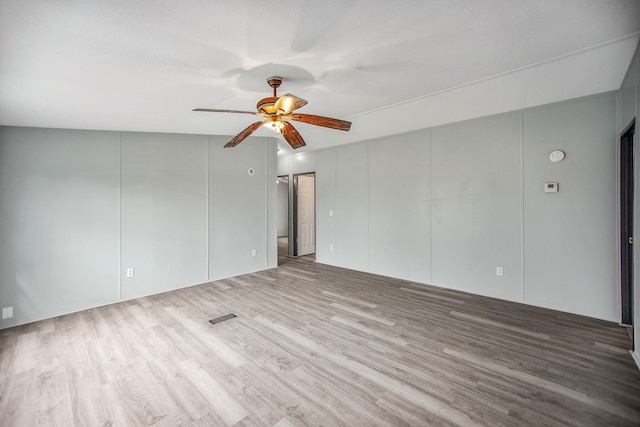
pixel 389 66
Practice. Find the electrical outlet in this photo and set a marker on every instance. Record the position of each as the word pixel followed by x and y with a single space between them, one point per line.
pixel 7 312
pixel 129 272
pixel 254 252
pixel 498 271
pixel 330 212
pixel 330 248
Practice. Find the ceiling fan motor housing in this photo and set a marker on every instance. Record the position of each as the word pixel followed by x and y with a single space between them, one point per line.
pixel 266 106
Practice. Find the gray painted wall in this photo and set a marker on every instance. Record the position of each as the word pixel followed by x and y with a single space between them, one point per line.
pixel 238 217
pixel 77 208
pixel 570 237
pixel 448 205
pixel 59 221
pixel 326 202
pixel 629 93
pixel 476 195
pixel 398 187
pixel 352 209
pixel 163 211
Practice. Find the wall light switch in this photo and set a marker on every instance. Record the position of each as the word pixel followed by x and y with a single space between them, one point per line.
pixel 330 212
pixel 330 248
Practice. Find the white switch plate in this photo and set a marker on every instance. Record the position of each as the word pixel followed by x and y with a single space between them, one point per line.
pixel 254 252
pixel 7 312
pixel 129 272
pixel 331 248
pixel 330 212
pixel 550 187
pixel 498 271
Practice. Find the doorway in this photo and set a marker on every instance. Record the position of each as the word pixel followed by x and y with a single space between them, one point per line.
pixel 304 214
pixel 626 225
pixel 282 217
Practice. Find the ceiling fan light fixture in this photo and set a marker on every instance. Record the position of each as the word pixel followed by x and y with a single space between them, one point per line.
pixel 275 125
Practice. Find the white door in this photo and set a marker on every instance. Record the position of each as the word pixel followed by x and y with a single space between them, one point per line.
pixel 306 215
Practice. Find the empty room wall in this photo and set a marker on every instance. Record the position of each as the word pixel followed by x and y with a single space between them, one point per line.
pixel 78 208
pixel 448 205
pixel 476 191
pixel 163 212
pixel 398 195
pixel 242 207
pixel 59 221
pixel 351 240
pixel 570 237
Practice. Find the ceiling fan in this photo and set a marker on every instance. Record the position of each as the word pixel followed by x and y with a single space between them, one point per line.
pixel 275 110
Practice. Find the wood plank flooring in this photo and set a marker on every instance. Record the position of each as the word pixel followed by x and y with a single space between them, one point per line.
pixel 317 345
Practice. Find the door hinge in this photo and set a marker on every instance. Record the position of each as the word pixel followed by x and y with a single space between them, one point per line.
pixel 631 240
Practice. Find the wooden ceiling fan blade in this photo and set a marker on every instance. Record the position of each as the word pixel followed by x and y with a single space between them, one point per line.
pixel 327 122
pixel 288 103
pixel 292 136
pixel 245 133
pixel 213 110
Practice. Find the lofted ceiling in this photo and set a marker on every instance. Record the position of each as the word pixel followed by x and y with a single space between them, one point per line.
pixel 387 66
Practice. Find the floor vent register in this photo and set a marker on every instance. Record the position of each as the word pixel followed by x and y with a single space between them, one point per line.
pixel 222 318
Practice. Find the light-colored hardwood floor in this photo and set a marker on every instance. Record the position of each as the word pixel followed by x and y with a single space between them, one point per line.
pixel 317 345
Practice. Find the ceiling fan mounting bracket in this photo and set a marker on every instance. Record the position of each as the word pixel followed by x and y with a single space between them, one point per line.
pixel 274 81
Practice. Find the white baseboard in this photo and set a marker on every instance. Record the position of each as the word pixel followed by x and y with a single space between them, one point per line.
pixel 636 357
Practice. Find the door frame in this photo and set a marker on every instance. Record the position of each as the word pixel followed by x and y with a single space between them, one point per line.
pixel 294 202
pixel 627 184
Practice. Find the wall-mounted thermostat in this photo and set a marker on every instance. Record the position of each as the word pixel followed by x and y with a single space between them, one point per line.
pixel 550 187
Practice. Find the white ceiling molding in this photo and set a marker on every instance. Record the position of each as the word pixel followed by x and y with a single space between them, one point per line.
pixel 552 81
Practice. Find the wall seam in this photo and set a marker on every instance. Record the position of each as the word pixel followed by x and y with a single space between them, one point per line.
pixel 522 223
pixel 267 176
pixel 368 208
pixel 336 213
pixel 368 180
pixel 292 236
pixel 430 198
pixel 207 208
pixel 120 216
